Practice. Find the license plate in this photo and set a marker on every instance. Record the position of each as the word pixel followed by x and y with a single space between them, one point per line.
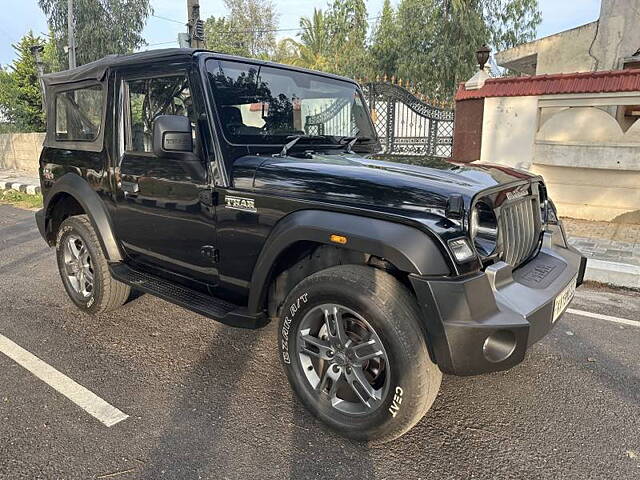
pixel 563 299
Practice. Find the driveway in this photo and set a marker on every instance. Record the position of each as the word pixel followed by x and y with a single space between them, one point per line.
pixel 208 401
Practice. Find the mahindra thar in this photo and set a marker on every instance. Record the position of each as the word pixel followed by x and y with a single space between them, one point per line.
pixel 247 191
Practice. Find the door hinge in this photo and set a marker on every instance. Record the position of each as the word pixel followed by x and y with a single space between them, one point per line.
pixel 210 252
pixel 208 197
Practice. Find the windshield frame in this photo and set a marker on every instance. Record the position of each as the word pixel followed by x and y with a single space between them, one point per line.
pixel 371 146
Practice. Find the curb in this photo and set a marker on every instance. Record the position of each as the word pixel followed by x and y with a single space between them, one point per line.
pixel 613 273
pixel 21 187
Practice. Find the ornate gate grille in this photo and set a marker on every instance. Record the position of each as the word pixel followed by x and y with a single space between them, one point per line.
pixel 405 124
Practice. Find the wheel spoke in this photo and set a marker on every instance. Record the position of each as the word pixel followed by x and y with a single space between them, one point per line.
pixel 337 345
pixel 322 349
pixel 367 350
pixel 68 268
pixel 335 325
pixel 73 248
pixel 88 274
pixel 330 380
pixel 361 386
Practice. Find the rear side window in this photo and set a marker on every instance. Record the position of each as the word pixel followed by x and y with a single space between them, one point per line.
pixel 79 114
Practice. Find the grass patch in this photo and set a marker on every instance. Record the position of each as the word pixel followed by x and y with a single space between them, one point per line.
pixel 21 200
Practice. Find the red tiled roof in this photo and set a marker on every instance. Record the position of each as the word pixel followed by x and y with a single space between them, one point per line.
pixel 588 82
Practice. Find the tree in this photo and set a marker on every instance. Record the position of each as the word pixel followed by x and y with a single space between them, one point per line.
pixel 315 45
pixel 287 51
pixel 248 29
pixel 384 45
pixel 347 26
pixel 438 38
pixel 102 27
pixel 20 95
pixel 220 37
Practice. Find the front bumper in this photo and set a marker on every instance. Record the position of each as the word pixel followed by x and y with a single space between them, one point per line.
pixel 486 322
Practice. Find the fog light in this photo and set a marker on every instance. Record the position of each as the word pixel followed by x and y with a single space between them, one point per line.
pixel 499 346
pixel 461 250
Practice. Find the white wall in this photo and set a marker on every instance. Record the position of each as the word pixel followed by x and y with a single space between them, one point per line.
pixel 21 151
pixel 509 125
pixel 591 166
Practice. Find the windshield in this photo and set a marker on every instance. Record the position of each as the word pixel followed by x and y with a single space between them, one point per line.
pixel 265 105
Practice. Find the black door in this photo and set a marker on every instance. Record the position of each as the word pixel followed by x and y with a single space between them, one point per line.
pixel 164 215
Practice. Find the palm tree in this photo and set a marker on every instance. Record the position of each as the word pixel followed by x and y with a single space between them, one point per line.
pixel 314 41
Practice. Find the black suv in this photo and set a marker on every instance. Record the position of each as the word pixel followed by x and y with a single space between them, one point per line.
pixel 246 191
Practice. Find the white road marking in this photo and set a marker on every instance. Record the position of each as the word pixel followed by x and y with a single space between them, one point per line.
pixel 85 399
pixel 608 318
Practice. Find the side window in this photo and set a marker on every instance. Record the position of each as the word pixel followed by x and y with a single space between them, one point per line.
pixel 148 98
pixel 79 114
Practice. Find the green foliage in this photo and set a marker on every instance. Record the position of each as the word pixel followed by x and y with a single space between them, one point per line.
pixel 103 27
pixel 384 45
pixel 21 200
pixel 347 26
pixel 334 40
pixel 315 45
pixel 220 37
pixel 20 97
pixel 429 42
pixel 247 30
pixel 287 51
pixel 438 38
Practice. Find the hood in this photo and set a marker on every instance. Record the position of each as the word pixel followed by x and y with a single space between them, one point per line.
pixel 352 179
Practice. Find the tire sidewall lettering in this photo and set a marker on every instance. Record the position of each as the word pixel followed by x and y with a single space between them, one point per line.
pixel 292 310
pixel 396 401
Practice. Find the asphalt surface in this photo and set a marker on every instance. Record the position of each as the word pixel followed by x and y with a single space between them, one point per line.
pixel 210 401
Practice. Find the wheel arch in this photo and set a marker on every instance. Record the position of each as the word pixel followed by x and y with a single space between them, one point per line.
pixel 72 195
pixel 406 249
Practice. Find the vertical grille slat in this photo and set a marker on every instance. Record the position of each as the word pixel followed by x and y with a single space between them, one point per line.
pixel 519 230
pixel 516 218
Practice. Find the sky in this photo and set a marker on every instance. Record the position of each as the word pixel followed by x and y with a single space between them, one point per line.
pixel 557 15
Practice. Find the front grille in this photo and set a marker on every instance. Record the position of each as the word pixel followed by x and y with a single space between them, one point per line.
pixel 519 226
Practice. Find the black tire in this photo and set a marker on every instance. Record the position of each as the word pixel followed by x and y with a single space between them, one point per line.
pixel 392 313
pixel 105 293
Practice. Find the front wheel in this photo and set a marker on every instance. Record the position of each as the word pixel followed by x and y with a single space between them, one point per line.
pixel 355 354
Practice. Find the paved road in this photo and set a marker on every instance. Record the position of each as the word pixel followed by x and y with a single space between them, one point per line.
pixel 209 401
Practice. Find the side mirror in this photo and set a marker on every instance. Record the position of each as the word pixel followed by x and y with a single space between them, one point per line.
pixel 172 136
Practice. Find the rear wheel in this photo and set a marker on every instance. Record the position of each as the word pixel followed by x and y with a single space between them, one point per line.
pixel 84 270
pixel 355 354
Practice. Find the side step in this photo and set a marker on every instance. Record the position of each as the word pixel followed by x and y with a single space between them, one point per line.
pixel 207 305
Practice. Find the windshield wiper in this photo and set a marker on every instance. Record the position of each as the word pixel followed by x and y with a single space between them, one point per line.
pixel 293 140
pixel 351 141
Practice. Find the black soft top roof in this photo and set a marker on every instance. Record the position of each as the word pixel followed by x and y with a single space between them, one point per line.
pixel 96 70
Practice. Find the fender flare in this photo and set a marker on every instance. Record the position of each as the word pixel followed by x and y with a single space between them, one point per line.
pixel 77 187
pixel 407 248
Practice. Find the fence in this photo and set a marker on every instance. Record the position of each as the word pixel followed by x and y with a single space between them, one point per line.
pixel 407 123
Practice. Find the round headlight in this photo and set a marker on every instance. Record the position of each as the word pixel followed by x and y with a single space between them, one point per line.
pixel 484 229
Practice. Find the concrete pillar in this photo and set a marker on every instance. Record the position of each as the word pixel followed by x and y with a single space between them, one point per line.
pixel 618 35
pixel 467 132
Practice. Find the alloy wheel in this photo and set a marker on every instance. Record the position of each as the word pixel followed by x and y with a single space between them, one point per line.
pixel 78 265
pixel 343 359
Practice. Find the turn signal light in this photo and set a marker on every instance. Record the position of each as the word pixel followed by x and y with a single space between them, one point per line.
pixel 461 250
pixel 338 239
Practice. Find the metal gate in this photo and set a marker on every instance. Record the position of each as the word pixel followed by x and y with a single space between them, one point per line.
pixel 407 125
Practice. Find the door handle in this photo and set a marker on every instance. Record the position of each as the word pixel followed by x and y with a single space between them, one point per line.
pixel 130 189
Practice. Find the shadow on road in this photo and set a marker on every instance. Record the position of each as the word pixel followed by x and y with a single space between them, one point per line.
pixel 190 445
